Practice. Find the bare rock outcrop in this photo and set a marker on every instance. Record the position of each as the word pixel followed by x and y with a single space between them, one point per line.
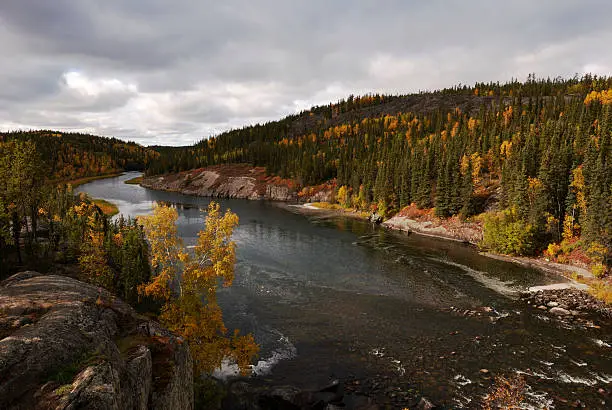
pixel 65 344
pixel 454 230
pixel 225 181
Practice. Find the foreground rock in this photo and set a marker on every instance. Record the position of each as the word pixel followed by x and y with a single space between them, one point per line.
pixel 66 344
pixel 235 181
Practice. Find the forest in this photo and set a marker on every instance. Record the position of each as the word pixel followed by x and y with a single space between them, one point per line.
pixel 69 156
pixel 531 159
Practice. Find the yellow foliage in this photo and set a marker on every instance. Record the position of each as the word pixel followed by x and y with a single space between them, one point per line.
pixel 472 123
pixel 455 129
pixel 507 115
pixel 476 161
pixel 343 196
pixel 603 97
pixel 601 290
pixel 577 186
pixel 507 393
pixel 568 227
pixel 505 149
pixel 465 164
pixel 166 247
pixel 188 284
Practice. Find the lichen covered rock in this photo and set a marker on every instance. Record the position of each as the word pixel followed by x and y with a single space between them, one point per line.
pixel 68 344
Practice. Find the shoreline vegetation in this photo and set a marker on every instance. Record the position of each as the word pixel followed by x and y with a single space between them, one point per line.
pixel 134 181
pixel 84 180
pixel 108 208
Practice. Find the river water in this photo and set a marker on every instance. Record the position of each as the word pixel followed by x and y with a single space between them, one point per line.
pixel 330 297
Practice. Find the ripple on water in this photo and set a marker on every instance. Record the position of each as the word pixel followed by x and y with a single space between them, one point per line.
pixel 285 350
pixel 485 279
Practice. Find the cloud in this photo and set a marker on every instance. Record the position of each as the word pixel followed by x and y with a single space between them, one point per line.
pixel 162 72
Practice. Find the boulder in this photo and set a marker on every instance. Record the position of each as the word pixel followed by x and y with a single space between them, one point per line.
pixel 376 218
pixel 81 347
pixel 425 404
pixel 559 311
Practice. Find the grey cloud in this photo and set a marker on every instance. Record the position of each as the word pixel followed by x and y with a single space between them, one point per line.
pixel 172 72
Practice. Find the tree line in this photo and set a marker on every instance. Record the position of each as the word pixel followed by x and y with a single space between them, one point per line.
pixel 69 156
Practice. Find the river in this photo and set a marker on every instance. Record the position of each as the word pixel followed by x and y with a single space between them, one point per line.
pixel 330 297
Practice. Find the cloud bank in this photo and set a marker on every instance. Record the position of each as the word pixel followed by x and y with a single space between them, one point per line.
pixel 174 72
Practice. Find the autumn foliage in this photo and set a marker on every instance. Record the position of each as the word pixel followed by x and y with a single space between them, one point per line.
pixel 187 283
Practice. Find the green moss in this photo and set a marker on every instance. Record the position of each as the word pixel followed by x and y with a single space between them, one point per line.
pixel 62 390
pixel 66 374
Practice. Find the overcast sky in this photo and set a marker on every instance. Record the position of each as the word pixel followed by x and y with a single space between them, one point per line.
pixel 174 71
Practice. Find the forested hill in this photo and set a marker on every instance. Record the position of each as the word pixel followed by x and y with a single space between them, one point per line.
pixel 69 156
pixel 539 149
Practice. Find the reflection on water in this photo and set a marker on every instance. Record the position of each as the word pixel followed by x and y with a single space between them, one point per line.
pixel 334 297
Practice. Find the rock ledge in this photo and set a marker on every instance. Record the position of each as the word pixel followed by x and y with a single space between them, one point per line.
pixel 67 344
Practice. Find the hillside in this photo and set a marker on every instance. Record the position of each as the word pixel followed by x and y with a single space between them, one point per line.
pixel 69 156
pixel 537 152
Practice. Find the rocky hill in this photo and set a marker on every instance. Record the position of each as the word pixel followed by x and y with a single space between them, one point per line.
pixel 67 344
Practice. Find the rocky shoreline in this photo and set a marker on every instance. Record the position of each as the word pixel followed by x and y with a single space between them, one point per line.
pixel 569 305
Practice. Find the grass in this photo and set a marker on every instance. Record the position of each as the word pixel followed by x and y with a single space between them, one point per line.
pixel 327 205
pixel 599 288
pixel 133 181
pixel 108 208
pixel 65 389
pixel 80 181
pixel 338 207
pixel 602 290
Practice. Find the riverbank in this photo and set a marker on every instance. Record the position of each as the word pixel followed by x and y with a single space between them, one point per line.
pixel 470 233
pixel 134 181
pixel 80 181
pixel 246 182
pixel 108 208
pixel 240 181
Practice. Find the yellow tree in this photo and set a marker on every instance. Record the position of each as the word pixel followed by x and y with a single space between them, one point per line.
pixel 188 285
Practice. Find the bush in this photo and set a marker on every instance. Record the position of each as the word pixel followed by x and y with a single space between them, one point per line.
pixel 505 233
pixel 598 270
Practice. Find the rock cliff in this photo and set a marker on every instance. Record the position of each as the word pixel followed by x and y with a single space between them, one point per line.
pixel 224 181
pixel 67 344
pixel 233 181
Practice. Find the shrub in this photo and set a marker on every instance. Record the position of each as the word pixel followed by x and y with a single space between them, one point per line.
pixel 598 270
pixel 602 291
pixel 505 233
pixel 552 251
pixel 506 393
